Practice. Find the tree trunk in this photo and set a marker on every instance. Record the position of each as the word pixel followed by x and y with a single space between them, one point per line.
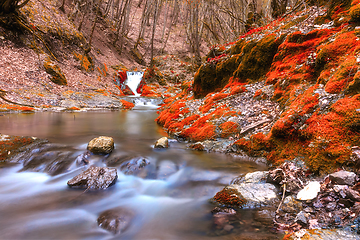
pixel 153 34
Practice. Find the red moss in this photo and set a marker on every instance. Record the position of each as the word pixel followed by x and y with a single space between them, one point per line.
pixel 197 133
pixel 257 93
pixel 73 109
pixel 228 129
pixel 19 108
pixel 230 197
pixel 343 76
pixel 221 112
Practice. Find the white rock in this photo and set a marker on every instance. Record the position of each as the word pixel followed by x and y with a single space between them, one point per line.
pixel 309 192
pixel 162 143
pixel 256 177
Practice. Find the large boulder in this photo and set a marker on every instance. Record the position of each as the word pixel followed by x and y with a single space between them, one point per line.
pixel 115 220
pixel 101 145
pixel 94 178
pixel 251 192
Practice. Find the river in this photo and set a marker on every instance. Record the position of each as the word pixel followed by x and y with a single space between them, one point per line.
pixel 170 200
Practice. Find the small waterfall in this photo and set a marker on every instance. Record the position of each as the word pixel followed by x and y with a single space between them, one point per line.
pixel 133 81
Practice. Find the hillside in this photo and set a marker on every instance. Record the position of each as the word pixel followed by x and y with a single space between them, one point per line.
pixel 48 63
pixel 285 91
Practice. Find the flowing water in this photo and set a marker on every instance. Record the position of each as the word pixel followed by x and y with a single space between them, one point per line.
pixel 169 200
pixel 133 81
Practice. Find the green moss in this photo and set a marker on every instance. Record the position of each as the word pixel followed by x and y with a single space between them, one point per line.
pixel 258 60
pixel 237 47
pixel 205 80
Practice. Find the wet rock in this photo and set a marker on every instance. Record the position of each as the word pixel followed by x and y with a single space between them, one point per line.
pixel 83 159
pixel 116 220
pixel 94 178
pixel 309 192
pixel 134 166
pixel 53 159
pixel 12 148
pixel 291 205
pixel 101 145
pixel 343 178
pixel 162 143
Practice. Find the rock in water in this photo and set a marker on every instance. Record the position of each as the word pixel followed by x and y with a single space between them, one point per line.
pixel 309 192
pixel 162 143
pixel 103 144
pixel 115 220
pixel 94 178
pixel 251 192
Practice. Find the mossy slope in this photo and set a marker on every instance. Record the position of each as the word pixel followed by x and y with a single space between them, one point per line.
pixel 311 72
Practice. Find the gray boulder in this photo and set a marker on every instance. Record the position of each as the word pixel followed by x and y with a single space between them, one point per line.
pixel 94 178
pixel 115 220
pixel 250 192
pixel 343 178
pixel 101 145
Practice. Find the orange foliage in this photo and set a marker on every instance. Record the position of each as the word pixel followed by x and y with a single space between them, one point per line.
pixel 17 107
pixel 149 91
pixel 127 105
pixel 228 129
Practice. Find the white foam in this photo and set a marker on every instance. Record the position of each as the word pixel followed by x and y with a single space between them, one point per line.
pixel 133 81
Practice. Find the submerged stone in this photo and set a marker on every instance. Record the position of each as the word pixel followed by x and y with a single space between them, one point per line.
pixel 134 166
pixel 101 145
pixel 115 220
pixel 94 178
